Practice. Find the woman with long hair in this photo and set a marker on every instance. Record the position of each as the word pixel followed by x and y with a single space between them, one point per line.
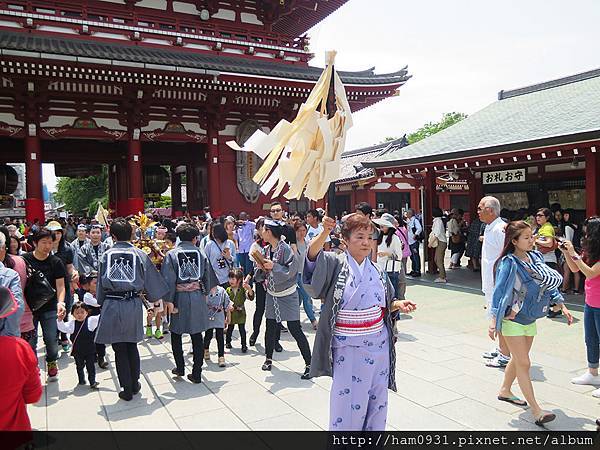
pixel 17 263
pixel 220 251
pixel 572 234
pixel 279 270
pixel 524 287
pixel 389 253
pixel 302 244
pixel 589 264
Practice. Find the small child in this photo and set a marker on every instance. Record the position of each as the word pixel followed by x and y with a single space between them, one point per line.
pixel 238 291
pixel 158 319
pixel 88 284
pixel 81 330
pixel 219 315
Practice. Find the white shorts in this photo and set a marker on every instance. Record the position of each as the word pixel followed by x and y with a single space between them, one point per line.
pixel 158 306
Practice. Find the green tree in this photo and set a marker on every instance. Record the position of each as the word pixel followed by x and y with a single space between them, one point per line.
pixel 81 195
pixel 431 128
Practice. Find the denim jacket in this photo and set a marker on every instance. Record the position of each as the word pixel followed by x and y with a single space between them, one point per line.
pixel 11 325
pixel 504 291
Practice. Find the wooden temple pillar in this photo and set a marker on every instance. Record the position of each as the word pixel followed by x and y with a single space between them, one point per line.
pixel 176 209
pixel 121 189
pixel 135 172
pixel 192 188
pixel 112 187
pixel 34 203
pixel 475 194
pixel 592 183
pixel 431 201
pixel 212 165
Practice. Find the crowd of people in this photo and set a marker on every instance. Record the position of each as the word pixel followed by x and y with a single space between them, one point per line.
pixel 89 285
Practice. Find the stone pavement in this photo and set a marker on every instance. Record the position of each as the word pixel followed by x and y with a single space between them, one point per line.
pixel 442 382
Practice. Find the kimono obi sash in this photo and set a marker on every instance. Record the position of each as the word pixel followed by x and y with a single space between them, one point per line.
pixel 188 287
pixel 360 322
pixel 284 293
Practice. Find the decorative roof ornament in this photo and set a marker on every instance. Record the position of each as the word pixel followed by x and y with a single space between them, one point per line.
pixel 304 155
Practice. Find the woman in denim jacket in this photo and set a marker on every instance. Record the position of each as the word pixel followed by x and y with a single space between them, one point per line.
pixel 523 290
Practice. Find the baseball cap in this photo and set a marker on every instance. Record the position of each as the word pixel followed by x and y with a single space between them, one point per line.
pixel 53 225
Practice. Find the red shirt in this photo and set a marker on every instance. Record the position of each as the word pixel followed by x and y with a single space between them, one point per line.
pixel 19 383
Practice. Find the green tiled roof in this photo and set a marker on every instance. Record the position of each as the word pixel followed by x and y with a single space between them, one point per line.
pixel 551 113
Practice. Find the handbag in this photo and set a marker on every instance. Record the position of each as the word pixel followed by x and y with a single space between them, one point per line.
pixel 433 241
pixel 38 290
pixel 393 259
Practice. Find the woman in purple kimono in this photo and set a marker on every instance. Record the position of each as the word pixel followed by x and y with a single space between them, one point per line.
pixel 354 342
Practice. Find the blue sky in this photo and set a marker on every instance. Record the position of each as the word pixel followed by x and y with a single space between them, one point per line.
pixel 460 53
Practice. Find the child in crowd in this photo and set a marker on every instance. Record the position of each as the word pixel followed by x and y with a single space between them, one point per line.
pixel 88 284
pixel 81 330
pixel 238 292
pixel 219 315
pixel 158 319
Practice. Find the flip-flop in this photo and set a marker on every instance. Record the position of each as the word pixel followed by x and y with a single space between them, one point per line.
pixel 513 400
pixel 545 418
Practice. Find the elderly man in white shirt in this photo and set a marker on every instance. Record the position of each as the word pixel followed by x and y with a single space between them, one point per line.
pixel 493 244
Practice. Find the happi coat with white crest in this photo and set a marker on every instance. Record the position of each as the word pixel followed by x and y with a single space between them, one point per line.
pixel 362 367
pixel 182 265
pixel 125 268
pixel 282 278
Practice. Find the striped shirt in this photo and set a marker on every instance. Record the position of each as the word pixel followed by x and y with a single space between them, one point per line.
pixel 546 276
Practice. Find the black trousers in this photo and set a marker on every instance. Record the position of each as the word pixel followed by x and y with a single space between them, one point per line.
pixel 197 347
pixel 242 330
pixel 208 335
pixel 88 362
pixel 297 333
pixel 260 299
pixel 127 360
pixel 100 350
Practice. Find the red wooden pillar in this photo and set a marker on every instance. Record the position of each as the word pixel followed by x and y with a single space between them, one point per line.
pixel 34 203
pixel 191 189
pixel 112 187
pixel 431 201
pixel 475 194
pixel 121 190
pixel 175 193
pixel 135 174
pixel 214 199
pixel 592 184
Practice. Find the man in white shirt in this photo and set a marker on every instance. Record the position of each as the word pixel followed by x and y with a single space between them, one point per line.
pixel 493 244
pixel 313 219
pixel 415 230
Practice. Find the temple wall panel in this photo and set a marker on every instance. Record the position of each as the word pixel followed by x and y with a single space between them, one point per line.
pixel 250 18
pixel 112 124
pixel 185 8
pixel 224 14
pixel 58 121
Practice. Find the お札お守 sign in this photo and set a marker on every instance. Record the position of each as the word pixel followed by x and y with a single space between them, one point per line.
pixel 504 176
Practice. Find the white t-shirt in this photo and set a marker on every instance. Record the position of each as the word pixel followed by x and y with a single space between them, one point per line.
pixel 385 262
pixel 493 243
pixel 312 233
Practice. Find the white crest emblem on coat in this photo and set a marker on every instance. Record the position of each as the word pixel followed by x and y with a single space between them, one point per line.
pixel 121 266
pixel 189 265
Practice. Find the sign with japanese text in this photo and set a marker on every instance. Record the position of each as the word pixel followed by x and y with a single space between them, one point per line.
pixel 504 176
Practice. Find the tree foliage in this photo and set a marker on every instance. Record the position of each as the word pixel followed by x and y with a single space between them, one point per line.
pixel 431 128
pixel 81 195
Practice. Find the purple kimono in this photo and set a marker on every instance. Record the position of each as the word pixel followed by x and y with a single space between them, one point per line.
pixel 361 362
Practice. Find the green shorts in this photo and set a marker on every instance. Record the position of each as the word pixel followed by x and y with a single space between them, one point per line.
pixel 510 328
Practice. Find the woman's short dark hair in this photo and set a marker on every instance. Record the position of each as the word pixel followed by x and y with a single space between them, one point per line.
pixel 437 212
pixel 219 233
pixel 544 211
pixel 356 222
pixel 43 233
pixel 187 232
pixel 276 230
pixel 299 224
pixel 121 229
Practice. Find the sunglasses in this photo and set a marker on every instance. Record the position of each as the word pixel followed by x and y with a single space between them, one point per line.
pixel 276 210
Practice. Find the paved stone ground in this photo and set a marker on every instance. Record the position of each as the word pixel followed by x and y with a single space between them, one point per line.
pixel 442 382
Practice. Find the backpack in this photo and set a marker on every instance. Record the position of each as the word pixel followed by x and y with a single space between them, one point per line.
pixel 537 307
pixel 38 289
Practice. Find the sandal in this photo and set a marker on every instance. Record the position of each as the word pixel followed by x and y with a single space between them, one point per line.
pixel 268 364
pixel 545 418
pixel 513 400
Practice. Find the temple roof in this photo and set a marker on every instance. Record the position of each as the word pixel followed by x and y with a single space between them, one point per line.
pixel 556 112
pixel 352 161
pixel 152 56
pixel 305 15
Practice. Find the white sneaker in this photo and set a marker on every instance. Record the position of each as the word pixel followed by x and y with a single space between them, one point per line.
pixel 587 378
pixel 491 354
pixel 596 393
pixel 440 280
